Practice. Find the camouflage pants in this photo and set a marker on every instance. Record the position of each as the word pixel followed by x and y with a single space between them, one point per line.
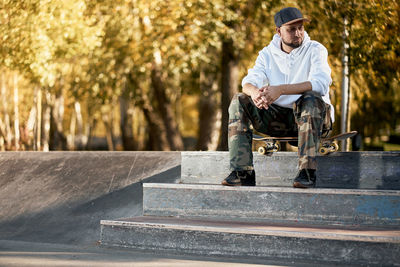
pixel 309 120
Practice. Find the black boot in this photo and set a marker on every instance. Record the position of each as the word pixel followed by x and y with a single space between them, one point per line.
pixel 306 178
pixel 239 178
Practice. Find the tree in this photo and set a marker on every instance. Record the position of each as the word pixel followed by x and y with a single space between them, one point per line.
pixel 373 37
pixel 86 64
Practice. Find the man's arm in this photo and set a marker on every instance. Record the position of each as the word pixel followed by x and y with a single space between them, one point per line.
pixel 272 93
pixel 293 89
pixel 250 90
pixel 320 72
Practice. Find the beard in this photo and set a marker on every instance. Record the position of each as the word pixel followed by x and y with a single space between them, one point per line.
pixel 292 44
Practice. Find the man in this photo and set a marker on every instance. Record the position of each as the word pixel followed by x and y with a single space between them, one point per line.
pixel 286 93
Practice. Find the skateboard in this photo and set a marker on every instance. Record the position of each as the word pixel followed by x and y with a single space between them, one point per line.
pixel 327 145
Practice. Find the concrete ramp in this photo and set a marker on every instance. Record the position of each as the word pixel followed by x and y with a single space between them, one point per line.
pixel 60 197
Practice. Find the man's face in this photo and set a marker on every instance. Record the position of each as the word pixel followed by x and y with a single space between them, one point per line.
pixel 292 35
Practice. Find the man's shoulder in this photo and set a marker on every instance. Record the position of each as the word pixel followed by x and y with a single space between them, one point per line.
pixel 265 49
pixel 265 52
pixel 316 46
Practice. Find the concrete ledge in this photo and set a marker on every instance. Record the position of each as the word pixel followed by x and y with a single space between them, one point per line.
pixel 332 206
pixel 211 237
pixel 259 228
pixel 358 170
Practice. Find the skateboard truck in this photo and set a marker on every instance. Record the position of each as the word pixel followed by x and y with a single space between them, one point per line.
pixel 274 146
pixel 328 147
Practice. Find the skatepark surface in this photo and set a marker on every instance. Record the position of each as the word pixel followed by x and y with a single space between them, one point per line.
pixel 19 253
pixel 51 204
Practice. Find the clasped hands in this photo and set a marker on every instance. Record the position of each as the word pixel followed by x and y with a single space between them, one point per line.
pixel 265 96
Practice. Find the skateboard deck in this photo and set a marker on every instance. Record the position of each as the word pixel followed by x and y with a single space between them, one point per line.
pixel 327 145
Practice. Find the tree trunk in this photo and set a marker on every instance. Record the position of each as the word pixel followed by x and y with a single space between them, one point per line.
pixel 29 129
pixel 90 125
pixel 81 138
pixel 7 128
pixel 2 134
pixel 38 124
pixel 164 107
pixel 2 124
pixel 167 126
pixel 229 87
pixel 140 128
pixel 126 123
pixel 47 123
pixel 107 121
pixel 157 140
pixel 157 135
pixel 58 140
pixel 207 110
pixel 16 113
pixel 72 130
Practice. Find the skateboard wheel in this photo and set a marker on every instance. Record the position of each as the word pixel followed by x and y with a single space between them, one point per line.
pixel 323 151
pixel 276 148
pixel 262 150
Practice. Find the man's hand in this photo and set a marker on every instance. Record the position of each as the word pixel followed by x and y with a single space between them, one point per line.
pixel 259 99
pixel 270 94
pixel 256 95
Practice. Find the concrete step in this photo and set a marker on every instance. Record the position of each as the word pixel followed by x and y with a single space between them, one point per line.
pixel 352 170
pixel 320 206
pixel 342 245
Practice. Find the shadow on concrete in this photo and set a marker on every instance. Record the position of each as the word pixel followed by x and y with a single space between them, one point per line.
pixel 79 222
pixel 44 254
pixel 391 173
pixel 339 170
pixel 359 170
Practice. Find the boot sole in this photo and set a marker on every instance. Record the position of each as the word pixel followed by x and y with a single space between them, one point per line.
pixel 225 183
pixel 300 185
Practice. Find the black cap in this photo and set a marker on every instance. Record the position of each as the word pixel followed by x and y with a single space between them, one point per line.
pixel 288 15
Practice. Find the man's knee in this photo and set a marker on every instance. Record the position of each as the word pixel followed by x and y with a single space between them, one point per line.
pixel 238 101
pixel 312 97
pixel 310 101
pixel 312 93
pixel 309 105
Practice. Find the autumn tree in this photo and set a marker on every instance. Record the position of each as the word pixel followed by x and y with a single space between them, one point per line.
pixel 149 70
pixel 374 65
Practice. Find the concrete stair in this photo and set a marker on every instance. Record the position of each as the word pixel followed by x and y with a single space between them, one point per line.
pixel 322 225
pixel 351 170
pixel 316 206
pixel 321 244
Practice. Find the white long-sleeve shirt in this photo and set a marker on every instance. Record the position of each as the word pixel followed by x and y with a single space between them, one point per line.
pixel 308 62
